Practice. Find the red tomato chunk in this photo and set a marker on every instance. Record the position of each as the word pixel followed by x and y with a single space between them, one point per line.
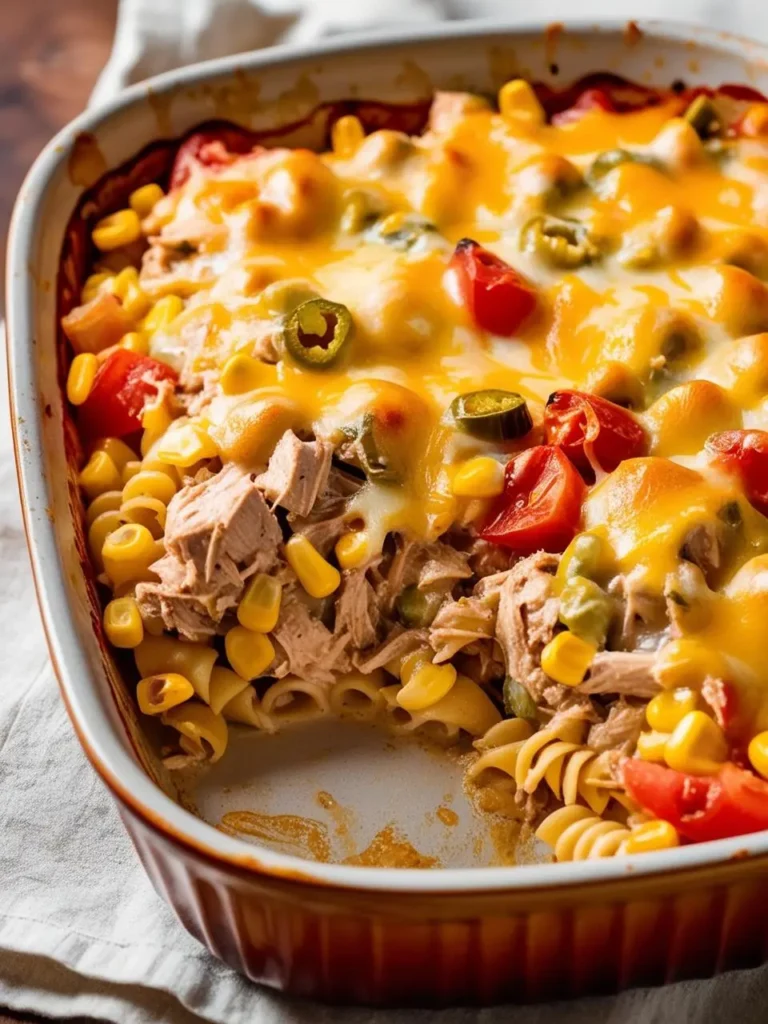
pixel 732 803
pixel 124 384
pixel 541 504
pixel 592 430
pixel 745 453
pixel 498 298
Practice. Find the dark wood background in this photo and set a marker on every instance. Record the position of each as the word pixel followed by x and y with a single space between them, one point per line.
pixel 51 52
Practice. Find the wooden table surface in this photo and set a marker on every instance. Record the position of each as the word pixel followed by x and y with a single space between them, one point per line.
pixel 51 52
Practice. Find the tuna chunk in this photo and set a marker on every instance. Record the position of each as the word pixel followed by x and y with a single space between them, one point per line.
pixel 625 672
pixel 222 521
pixel 306 648
pixel 620 729
pixel 440 564
pixel 399 643
pixel 460 623
pixel 297 473
pixel 218 532
pixel 528 614
pixel 357 611
pixel 327 521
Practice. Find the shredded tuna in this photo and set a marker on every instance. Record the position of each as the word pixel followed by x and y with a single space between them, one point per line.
pixel 644 612
pixel 399 643
pixel 626 672
pixel 221 521
pixel 357 610
pixel 218 532
pixel 702 547
pixel 328 518
pixel 305 647
pixel 620 730
pixel 486 559
pixel 528 614
pixel 440 564
pixel 297 473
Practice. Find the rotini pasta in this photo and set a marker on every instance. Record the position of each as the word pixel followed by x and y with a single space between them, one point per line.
pixel 575 833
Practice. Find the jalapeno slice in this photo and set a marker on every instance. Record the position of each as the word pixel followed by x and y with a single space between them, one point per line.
pixel 366 451
pixel 416 609
pixel 703 117
pixel 402 231
pixel 317 332
pixel 607 161
pixel 492 415
pixel 561 243
pixel 517 700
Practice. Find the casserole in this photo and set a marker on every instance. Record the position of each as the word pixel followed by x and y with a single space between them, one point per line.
pixel 453 935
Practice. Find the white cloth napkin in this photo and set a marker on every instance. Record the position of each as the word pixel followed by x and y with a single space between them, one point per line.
pixel 82 932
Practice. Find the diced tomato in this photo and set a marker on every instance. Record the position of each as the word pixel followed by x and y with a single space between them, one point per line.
pixel 592 430
pixel 541 504
pixel 744 452
pixel 590 99
pixel 214 147
pixel 732 803
pixel 124 383
pixel 498 298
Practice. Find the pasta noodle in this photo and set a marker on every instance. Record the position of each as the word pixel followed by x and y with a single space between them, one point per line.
pixel 575 833
pixel 158 654
pixel 295 700
pixel 357 696
pixel 245 708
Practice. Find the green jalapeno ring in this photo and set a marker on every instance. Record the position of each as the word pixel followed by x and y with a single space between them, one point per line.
pixel 610 159
pixel 367 451
pixel 317 332
pixel 562 243
pixel 517 700
pixel 492 414
pixel 416 608
pixel 703 117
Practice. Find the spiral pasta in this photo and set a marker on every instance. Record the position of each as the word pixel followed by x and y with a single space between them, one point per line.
pixel 555 757
pixel 575 833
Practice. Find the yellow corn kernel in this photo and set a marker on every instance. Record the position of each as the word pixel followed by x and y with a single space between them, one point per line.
pixel 482 477
pixel 697 746
pixel 650 836
pixel 122 623
pixel 651 746
pixel 81 376
pixel 160 693
pixel 128 553
pixel 162 314
pixel 186 445
pixel 116 230
pixel 517 99
pixel 426 685
pixel 117 450
pixel 248 653
pixel 130 469
pixel 686 663
pixel 758 753
pixel 99 474
pixel 150 484
pixel 126 287
pixel 346 136
pixel 259 606
pixel 352 549
pixel 102 526
pixel 567 657
pixel 93 286
pixel 318 577
pixel 241 373
pixel 667 709
pixel 143 199
pixel 107 501
pixel 203 733
pixel 135 341
pixel 155 421
pixel 441 510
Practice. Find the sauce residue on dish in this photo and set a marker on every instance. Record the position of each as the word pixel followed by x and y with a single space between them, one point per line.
pixel 447 816
pixel 388 849
pixel 307 837
pixel 342 817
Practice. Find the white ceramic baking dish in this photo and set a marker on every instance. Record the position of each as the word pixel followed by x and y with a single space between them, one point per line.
pixel 330 930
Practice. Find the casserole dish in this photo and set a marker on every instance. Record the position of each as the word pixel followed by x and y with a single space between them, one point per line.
pixel 332 931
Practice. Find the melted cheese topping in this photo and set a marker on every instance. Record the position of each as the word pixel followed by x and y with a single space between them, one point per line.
pixel 668 307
